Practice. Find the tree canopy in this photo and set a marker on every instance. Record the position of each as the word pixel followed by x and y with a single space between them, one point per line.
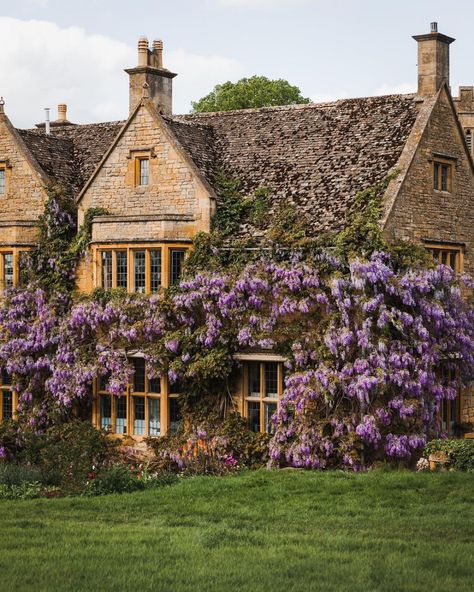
pixel 250 93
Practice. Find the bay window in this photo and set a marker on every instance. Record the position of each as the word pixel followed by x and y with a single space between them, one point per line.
pixel 142 269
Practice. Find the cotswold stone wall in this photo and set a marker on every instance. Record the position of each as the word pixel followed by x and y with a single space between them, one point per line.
pixel 25 194
pixel 422 214
pixel 173 191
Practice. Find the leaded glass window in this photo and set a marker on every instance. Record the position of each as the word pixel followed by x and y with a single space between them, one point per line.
pixel 176 265
pixel 121 415
pixel 105 412
pixel 253 414
pixel 139 416
pixel 139 375
pixel 121 269
pixel 2 181
pixel 155 270
pixel 8 270
pixel 175 415
pixel 271 380
pixel 144 171
pixel 106 265
pixel 254 379
pixel 154 424
pixel 139 271
pixel 7 405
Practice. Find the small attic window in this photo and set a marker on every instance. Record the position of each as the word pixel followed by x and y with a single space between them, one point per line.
pixel 469 140
pixel 142 170
pixel 2 180
pixel 442 176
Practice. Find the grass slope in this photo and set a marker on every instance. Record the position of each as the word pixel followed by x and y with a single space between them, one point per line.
pixel 260 531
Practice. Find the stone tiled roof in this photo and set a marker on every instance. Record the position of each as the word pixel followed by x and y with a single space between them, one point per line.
pixel 315 156
pixel 70 154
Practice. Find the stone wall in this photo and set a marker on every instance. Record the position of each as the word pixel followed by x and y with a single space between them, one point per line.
pixel 174 190
pixel 419 212
pixel 23 202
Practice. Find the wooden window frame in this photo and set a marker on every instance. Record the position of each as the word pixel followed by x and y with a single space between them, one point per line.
pixel 443 162
pixel 139 158
pixel 456 249
pixel 130 394
pixel 261 398
pixel 165 251
pixel 445 416
pixel 7 388
pixel 16 252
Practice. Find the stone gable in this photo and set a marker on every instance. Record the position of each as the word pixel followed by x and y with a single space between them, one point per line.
pixel 23 202
pixel 175 192
pixel 419 212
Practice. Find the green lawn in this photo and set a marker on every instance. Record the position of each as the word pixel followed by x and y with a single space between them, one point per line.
pixel 275 531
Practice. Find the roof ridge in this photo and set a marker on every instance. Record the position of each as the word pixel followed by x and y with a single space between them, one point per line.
pixel 302 106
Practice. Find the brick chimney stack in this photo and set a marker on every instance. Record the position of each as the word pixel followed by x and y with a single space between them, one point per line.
pixel 150 72
pixel 433 61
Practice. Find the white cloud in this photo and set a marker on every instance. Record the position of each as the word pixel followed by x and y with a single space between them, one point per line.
pixel 42 64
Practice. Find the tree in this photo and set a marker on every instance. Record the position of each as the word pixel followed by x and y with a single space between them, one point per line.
pixel 250 93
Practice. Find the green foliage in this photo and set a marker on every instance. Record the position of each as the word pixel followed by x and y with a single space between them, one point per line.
pixel 250 93
pixel 460 453
pixel 23 491
pixel 16 474
pixel 114 479
pixel 82 238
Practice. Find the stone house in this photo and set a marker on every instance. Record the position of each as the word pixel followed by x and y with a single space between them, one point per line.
pixel 155 175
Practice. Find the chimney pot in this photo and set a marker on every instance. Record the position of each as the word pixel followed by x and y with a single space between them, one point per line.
pixel 434 27
pixel 47 123
pixel 158 51
pixel 62 112
pixel 2 105
pixel 143 51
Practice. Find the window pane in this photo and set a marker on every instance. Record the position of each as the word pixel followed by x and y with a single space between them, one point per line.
pixel 144 171
pixel 436 176
pixel 106 262
pixel 271 379
pixel 270 410
pixel 175 415
pixel 139 375
pixel 6 378
pixel 253 412
pixel 122 269
pixel 2 181
pixel 176 265
pixel 105 412
pixel 155 270
pixel 139 416
pixel 7 405
pixel 154 425
pixel 444 177
pixel 254 379
pixel 452 260
pixel 8 270
pixel 139 271
pixel 154 385
pixel 121 415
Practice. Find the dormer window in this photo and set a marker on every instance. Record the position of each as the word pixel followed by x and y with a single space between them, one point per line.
pixel 142 170
pixel 442 176
pixel 3 179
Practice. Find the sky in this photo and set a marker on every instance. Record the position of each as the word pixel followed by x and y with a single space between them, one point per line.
pixel 55 51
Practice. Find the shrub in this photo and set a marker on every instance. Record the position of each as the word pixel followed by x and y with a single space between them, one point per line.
pixel 460 453
pixel 115 479
pixel 23 491
pixel 13 474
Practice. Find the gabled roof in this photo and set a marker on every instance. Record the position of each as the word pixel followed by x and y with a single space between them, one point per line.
pixel 70 154
pixel 315 156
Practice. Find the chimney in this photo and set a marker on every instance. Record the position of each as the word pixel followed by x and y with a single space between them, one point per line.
pixel 2 105
pixel 61 121
pixel 433 61
pixel 150 72
pixel 47 124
